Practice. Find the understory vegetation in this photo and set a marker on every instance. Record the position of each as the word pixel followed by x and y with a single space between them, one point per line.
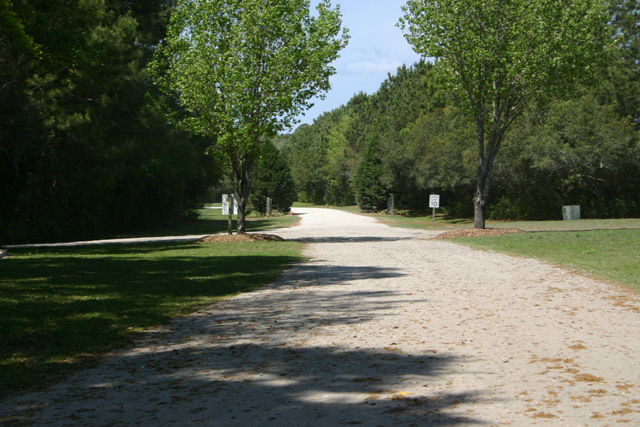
pixel 414 137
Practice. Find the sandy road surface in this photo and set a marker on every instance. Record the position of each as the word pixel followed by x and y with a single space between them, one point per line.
pixel 380 327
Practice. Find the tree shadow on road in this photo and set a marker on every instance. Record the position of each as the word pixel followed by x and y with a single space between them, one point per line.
pixel 347 239
pixel 259 384
pixel 254 360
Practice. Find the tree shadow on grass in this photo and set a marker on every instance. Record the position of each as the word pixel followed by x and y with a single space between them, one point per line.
pixel 63 306
pixel 60 306
pixel 252 360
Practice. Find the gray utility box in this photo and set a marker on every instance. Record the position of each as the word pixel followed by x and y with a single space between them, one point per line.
pixel 571 212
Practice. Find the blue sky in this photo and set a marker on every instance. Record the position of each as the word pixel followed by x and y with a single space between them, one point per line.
pixel 376 48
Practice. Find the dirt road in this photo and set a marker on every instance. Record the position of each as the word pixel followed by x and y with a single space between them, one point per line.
pixel 381 327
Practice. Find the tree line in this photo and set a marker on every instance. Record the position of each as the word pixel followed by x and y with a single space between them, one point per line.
pixel 415 136
pixel 105 125
pixel 102 132
pixel 86 144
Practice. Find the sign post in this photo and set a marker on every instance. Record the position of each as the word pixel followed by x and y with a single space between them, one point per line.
pixel 229 208
pixel 225 204
pixel 434 203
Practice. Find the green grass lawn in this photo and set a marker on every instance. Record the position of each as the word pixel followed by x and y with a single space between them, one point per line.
pixel 604 248
pixel 607 254
pixel 61 308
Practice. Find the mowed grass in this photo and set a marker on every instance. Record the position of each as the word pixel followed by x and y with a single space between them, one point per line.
pixel 443 223
pixel 604 248
pixel 608 254
pixel 61 308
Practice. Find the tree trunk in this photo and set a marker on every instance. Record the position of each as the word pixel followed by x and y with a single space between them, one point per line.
pixel 240 221
pixel 481 195
pixel 478 211
pixel 230 214
pixel 478 200
pixel 243 175
pixel 490 135
pixel 486 156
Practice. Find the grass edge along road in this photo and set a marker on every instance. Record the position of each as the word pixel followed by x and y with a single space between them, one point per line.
pixel 444 223
pixel 62 308
pixel 605 254
pixel 607 249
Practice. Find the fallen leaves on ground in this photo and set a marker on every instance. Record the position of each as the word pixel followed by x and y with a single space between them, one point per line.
pixel 254 237
pixel 477 232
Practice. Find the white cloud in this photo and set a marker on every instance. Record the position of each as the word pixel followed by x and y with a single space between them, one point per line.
pixel 367 61
pixel 373 66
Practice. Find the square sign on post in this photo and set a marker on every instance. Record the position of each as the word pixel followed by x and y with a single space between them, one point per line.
pixel 226 204
pixel 434 201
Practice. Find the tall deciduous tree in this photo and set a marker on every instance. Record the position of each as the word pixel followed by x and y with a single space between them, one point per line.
pixel 505 54
pixel 244 69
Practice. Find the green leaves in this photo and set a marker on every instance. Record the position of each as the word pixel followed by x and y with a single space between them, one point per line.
pixel 503 54
pixel 12 32
pixel 84 145
pixel 371 193
pixel 245 69
pixel 273 179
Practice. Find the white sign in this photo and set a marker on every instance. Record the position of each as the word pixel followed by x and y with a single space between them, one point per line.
pixel 225 204
pixel 434 201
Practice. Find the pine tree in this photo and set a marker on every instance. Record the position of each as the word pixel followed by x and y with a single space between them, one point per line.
pixel 371 194
pixel 272 178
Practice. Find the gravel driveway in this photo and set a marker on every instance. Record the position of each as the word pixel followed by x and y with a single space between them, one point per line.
pixel 380 327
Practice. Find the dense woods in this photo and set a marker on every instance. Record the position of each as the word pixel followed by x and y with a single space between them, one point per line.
pixel 86 145
pixel 414 137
